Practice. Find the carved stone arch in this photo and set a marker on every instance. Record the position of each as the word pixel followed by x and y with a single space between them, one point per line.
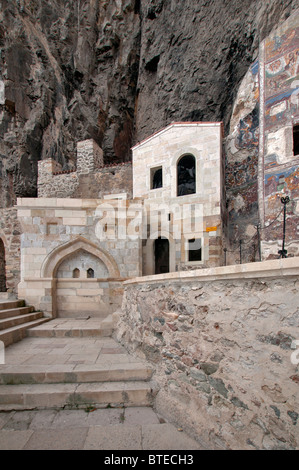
pixel 59 254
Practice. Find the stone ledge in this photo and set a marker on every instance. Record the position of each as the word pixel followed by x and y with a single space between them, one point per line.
pixel 270 268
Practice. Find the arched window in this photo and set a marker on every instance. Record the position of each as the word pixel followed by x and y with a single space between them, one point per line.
pixel 90 273
pixel 76 273
pixel 186 175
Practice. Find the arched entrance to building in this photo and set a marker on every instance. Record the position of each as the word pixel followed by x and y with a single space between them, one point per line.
pixel 2 267
pixel 161 254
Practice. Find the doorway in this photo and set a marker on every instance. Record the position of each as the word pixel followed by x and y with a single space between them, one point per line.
pixel 161 254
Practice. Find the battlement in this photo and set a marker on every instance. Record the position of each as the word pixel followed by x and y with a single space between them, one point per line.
pixel 89 178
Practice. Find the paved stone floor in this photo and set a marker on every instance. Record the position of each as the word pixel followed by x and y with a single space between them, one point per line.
pixel 131 428
pixel 68 351
pixel 137 428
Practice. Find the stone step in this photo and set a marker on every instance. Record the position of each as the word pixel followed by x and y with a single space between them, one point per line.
pixel 45 331
pixel 8 304
pixel 5 296
pixel 75 395
pixel 13 312
pixel 31 374
pixel 19 320
pixel 19 332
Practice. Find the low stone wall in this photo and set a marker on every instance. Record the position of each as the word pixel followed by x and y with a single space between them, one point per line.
pixel 223 343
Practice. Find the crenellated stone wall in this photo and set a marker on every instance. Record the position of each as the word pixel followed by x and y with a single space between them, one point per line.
pixel 223 343
pixel 88 180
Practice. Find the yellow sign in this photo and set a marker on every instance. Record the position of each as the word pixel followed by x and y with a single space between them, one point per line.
pixel 211 229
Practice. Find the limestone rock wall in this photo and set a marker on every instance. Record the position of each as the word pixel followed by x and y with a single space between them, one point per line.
pixel 221 342
pixel 116 71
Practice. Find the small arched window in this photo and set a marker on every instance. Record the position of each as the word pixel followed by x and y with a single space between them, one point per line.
pixel 76 273
pixel 186 175
pixel 90 273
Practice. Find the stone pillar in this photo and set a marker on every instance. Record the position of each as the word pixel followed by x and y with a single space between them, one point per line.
pixel 89 156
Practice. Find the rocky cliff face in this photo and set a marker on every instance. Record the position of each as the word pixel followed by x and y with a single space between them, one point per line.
pixel 116 71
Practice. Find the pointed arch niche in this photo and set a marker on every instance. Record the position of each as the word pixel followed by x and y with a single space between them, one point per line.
pixel 59 254
pixel 80 296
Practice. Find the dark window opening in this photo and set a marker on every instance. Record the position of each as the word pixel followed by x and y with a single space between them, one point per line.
pixel 152 65
pixel 156 178
pixel 90 273
pixel 194 250
pixel 161 248
pixel 10 107
pixel 151 14
pixel 137 7
pixel 2 267
pixel 296 139
pixel 76 273
pixel 186 175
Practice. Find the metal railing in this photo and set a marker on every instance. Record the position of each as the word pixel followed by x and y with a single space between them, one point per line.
pixel 241 243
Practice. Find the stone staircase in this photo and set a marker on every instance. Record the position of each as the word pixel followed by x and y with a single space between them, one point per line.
pixel 15 320
pixel 72 364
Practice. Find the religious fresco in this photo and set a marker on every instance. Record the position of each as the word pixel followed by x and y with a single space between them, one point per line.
pixel 281 77
pixel 281 109
pixel 277 185
pixel 248 136
pixel 283 181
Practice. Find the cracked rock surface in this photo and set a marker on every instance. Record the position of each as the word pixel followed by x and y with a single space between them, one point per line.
pixel 116 72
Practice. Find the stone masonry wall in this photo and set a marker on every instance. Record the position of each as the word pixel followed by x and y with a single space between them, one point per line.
pixel 221 341
pixel 89 156
pixel 110 179
pixel 10 234
pixel 62 185
pixel 50 225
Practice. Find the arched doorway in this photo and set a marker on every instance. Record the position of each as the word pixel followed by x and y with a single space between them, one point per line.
pixel 186 175
pixel 2 267
pixel 161 254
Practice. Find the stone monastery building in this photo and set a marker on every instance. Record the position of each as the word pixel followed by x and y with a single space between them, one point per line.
pixel 179 205
pixel 166 214
pixel 156 248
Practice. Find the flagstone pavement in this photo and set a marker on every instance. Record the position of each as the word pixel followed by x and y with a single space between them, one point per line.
pixel 130 428
pixel 137 428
